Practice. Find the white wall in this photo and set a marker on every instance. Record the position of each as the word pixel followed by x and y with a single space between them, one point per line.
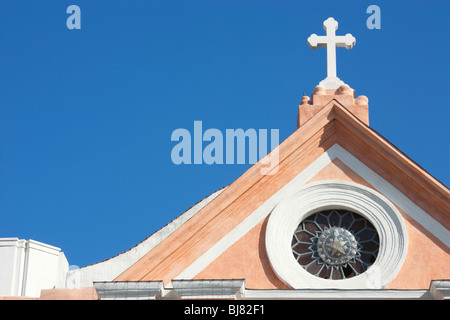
pixel 28 266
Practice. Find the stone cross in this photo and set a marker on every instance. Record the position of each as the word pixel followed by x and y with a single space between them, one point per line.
pixel 331 41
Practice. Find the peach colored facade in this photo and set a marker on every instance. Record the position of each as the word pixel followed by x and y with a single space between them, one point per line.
pixel 322 123
pixel 330 117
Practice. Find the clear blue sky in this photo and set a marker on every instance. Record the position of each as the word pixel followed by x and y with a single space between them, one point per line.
pixel 86 115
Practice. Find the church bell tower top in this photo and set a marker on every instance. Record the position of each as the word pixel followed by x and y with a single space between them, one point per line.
pixel 332 88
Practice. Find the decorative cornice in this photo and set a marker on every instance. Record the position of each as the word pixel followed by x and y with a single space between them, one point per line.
pixel 234 289
pixel 129 290
pixel 209 289
pixel 440 289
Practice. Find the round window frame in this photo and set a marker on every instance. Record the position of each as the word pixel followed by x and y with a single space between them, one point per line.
pixel 331 194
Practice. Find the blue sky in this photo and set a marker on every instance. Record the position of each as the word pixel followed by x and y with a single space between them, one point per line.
pixel 86 115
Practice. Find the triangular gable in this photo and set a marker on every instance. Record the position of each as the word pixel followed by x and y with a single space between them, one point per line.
pixel 247 258
pixel 332 133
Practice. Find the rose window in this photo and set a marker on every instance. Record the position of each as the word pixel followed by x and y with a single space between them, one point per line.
pixel 335 244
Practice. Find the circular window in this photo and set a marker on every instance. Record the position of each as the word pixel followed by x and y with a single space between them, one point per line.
pixel 335 244
pixel 336 234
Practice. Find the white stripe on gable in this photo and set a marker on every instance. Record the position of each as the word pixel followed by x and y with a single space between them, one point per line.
pixel 336 151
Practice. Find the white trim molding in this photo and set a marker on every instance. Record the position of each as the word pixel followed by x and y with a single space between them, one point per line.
pixel 331 194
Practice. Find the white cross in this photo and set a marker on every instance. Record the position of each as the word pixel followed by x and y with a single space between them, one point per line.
pixel 331 41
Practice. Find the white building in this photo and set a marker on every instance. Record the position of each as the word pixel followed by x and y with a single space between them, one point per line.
pixel 28 266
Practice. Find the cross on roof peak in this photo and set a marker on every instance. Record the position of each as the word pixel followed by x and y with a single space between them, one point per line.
pixel 331 41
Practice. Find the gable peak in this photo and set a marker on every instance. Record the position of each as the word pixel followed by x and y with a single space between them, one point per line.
pixel 332 88
pixel 320 97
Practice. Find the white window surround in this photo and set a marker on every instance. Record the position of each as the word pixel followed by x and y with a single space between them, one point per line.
pixel 331 194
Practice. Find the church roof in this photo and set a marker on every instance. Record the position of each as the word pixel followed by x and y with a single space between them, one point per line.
pixel 332 128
